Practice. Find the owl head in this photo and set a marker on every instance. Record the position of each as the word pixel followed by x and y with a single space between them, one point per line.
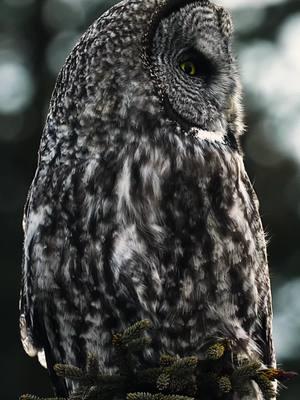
pixel 146 65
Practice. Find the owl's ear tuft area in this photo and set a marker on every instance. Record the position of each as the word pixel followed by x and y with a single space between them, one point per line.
pixel 225 21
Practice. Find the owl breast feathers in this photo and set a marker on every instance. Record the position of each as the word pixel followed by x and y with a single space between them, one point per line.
pixel 141 206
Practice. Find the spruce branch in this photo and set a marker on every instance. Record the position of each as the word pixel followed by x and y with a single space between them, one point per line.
pixel 149 396
pixel 132 333
pixel 32 397
pixel 69 372
pixel 217 376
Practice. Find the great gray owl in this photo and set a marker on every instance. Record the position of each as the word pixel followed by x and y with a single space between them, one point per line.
pixel 141 206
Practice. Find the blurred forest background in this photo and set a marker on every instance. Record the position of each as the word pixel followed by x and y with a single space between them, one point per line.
pixel 35 38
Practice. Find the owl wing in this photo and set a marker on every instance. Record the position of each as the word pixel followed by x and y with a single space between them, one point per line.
pixel 33 332
pixel 69 222
pixel 51 264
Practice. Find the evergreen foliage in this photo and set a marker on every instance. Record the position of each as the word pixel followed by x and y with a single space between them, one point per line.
pixel 217 376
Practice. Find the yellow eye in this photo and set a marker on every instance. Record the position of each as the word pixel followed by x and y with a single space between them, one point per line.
pixel 189 67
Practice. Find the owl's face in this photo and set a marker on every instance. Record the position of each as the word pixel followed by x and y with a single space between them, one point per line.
pixel 192 62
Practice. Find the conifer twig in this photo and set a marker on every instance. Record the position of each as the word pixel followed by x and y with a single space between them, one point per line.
pixel 218 375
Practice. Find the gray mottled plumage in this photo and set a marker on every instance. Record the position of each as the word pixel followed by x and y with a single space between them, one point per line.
pixel 141 206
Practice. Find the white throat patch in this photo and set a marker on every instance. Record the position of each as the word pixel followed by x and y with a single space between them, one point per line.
pixel 211 136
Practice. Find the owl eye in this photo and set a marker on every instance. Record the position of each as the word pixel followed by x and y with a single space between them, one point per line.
pixel 195 64
pixel 189 67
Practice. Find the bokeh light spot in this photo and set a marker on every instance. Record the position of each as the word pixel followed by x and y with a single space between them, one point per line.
pixel 271 74
pixel 16 87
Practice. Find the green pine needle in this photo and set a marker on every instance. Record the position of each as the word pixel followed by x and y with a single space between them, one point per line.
pixel 215 352
pixel 69 372
pixel 134 332
pixel 31 397
pixel 149 396
pixel 247 371
pixel 166 360
pixel 163 382
pixel 225 385
pixel 266 386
